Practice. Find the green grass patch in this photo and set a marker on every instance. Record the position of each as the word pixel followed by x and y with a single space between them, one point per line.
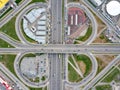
pixel 87 35
pixel 73 76
pixel 104 87
pixel 43 78
pixel 9 29
pixel 119 65
pixel 71 60
pixel 4 44
pixel 114 75
pixel 100 65
pixel 63 10
pixel 45 88
pixel 73 0
pixel 92 3
pixel 35 88
pixel 102 36
pixel 86 60
pixel 8 10
pixel 75 42
pixel 37 80
pixel 8 61
pixel 33 1
pixel 18 1
pixel 30 55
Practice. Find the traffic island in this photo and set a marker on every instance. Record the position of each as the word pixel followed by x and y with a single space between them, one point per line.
pixel 34 24
pixel 79 24
pixel 79 66
pixel 4 44
pixel 9 29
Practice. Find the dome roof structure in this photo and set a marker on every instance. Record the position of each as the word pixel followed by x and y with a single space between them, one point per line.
pixel 113 8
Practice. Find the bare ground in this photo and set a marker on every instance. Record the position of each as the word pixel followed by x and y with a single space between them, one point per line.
pixel 104 60
pixel 82 66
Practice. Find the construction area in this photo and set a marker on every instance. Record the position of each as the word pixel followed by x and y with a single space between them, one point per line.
pixel 77 23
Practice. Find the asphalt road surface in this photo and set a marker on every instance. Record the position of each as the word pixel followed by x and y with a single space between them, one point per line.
pixel 56 38
pixel 96 49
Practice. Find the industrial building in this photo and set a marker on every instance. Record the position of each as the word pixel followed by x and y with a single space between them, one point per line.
pixel 34 14
pixel 3 3
pixel 35 25
pixel 4 85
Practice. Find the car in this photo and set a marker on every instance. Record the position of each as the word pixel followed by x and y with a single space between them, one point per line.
pixel 53 74
pixel 59 55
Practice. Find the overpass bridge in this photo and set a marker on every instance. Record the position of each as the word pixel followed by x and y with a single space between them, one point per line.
pixel 70 48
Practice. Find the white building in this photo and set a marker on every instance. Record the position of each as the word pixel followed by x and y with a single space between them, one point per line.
pixel 41 39
pixel 68 33
pixel 31 17
pixel 41 27
pixel 43 18
pixel 42 33
pixel 38 31
pixel 41 22
pixel 113 8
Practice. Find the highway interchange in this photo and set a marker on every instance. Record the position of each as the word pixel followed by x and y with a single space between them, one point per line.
pixel 56 50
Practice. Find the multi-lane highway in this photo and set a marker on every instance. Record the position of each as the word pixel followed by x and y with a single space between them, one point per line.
pixel 56 11
pixel 55 72
pixel 56 38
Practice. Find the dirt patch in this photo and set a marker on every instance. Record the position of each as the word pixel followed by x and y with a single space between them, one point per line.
pixel 106 58
pixel 101 24
pixel 103 61
pixel 101 27
pixel 99 40
pixel 82 66
pixel 69 88
pixel 78 31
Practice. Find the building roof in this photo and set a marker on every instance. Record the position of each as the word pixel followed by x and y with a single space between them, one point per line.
pixel 2 3
pixel 97 2
pixel 113 8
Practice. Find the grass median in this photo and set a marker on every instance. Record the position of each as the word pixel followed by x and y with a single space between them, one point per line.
pixel 9 29
pixel 8 61
pixel 4 44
